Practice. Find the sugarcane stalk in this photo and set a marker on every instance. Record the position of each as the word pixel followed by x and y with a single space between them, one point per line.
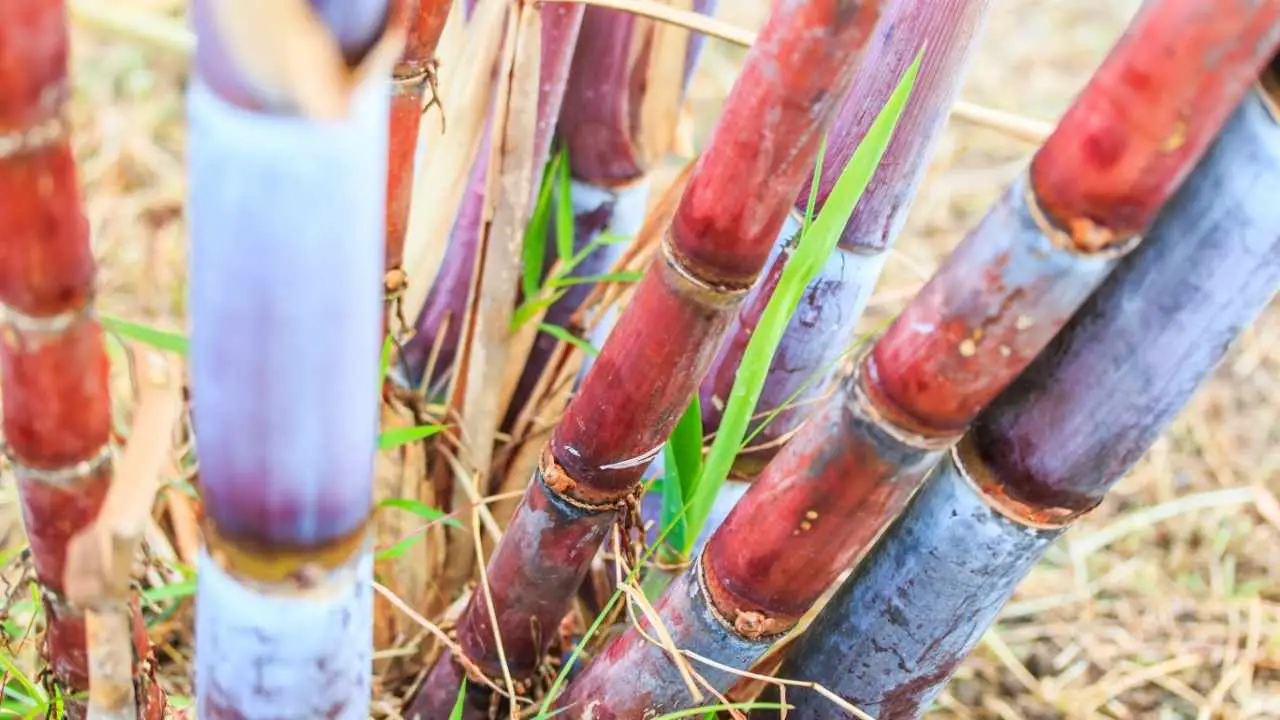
pixel 287 215
pixel 410 78
pixel 1057 440
pixel 428 356
pixel 993 306
pixel 53 368
pixel 717 243
pixel 835 301
pixel 612 133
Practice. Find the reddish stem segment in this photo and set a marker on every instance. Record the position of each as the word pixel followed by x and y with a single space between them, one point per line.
pixel 932 365
pixel 1057 440
pixel 764 144
pixel 1134 166
pixel 834 302
pixel 53 371
pixel 409 81
pixel 999 299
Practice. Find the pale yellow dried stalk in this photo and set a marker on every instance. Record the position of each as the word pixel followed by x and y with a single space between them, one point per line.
pixel 486 342
pixel 469 51
pixel 100 557
pixel 660 106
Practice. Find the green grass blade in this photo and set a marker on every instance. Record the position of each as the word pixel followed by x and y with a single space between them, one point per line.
pixel 159 339
pixel 534 250
pixel 395 437
pixel 532 307
pixel 563 335
pixel 422 510
pixel 683 460
pixel 564 213
pixel 816 243
pixel 458 705
pixel 172 591
pixel 384 363
pixel 613 277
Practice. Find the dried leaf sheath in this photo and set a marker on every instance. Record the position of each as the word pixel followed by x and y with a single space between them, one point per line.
pixel 603 133
pixel 766 141
pixel 53 371
pixel 1057 439
pixel 820 504
pixel 287 215
pixel 819 334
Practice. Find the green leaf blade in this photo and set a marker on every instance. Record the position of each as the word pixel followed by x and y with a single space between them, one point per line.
pixel 817 241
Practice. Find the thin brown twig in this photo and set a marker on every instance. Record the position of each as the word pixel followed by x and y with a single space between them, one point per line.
pixel 440 635
pixel 664 640
pixel 493 614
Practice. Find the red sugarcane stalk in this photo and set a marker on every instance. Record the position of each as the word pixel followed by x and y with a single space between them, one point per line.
pixel 410 79
pixel 53 369
pixel 835 300
pixel 740 191
pixel 1056 441
pixel 993 306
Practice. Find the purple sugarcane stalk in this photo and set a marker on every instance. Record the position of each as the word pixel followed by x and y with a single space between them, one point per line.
pixel 287 220
pixel 992 307
pixel 834 302
pixel 439 326
pixel 736 200
pixel 1056 441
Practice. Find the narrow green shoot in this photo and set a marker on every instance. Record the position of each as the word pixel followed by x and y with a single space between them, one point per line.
pixel 683 460
pixel 426 512
pixel 555 205
pixel 534 248
pixel 613 277
pixel 564 212
pixel 459 704
pixel 816 243
pixel 158 339
pixel 564 335
pixel 395 437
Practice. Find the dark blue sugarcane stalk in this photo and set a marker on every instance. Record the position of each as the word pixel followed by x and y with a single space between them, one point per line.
pixel 1055 442
pixel 819 332
pixel 287 216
